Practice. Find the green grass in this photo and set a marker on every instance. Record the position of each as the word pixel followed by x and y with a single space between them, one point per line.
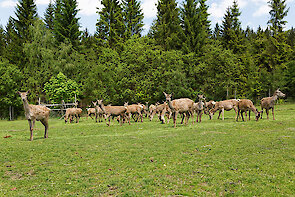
pixel 211 158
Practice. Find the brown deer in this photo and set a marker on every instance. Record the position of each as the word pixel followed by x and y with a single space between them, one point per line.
pixel 91 111
pixel 98 112
pixel 199 107
pixel 224 105
pixel 162 110
pixel 109 111
pixel 71 113
pixel 134 109
pixel 269 103
pixel 35 112
pixel 209 106
pixel 182 105
pixel 245 105
pixel 152 111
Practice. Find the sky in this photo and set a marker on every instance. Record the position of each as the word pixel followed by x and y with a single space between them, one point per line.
pixel 254 13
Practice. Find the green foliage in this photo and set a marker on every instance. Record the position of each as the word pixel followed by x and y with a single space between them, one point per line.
pixel 10 78
pixel 49 16
pixel 61 88
pixel 166 28
pixel 110 28
pixel 133 17
pixel 66 22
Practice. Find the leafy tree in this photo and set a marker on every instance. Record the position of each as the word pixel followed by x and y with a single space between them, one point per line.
pixel 166 29
pixel 10 79
pixel 110 28
pixel 61 88
pixel 133 17
pixel 49 16
pixel 66 22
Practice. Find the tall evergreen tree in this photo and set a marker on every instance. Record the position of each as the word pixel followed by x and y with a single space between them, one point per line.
pixel 166 27
pixel 2 40
pixel 110 28
pixel 277 14
pixel 49 16
pixel 133 17
pixel 66 22
pixel 232 36
pixel 26 14
pixel 217 32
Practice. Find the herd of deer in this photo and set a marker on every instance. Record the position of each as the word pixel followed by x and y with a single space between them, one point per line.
pixel 171 108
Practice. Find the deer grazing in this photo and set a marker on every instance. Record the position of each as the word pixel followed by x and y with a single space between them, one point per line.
pixel 109 111
pixel 71 113
pixel 209 106
pixel 199 107
pixel 245 105
pixel 182 106
pixel 224 105
pixel 152 111
pixel 269 103
pixel 35 112
pixel 98 112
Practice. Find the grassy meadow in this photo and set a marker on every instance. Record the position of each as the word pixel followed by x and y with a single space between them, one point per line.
pixel 212 158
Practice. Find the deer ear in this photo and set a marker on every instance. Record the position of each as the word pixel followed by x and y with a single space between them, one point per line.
pixel 165 93
pixel 28 91
pixel 18 92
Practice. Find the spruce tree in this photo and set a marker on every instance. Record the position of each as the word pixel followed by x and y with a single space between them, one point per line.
pixel 26 14
pixel 277 14
pixel 2 40
pixel 49 16
pixel 110 28
pixel 166 28
pixel 232 35
pixel 133 17
pixel 217 32
pixel 66 22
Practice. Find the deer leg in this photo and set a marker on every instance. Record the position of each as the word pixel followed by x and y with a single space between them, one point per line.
pixel 261 112
pixel 267 111
pixel 238 116
pixel 45 123
pixel 249 114
pixel 219 114
pixel 222 113
pixel 242 115
pixel 201 116
pixel 191 113
pixel 163 117
pixel 31 129
pixel 174 118
pixel 273 112
pixel 129 117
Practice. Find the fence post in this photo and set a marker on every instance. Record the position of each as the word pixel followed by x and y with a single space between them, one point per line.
pixel 227 93
pixel 11 112
pixel 62 107
pixel 269 92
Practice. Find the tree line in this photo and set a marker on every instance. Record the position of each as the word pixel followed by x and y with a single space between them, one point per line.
pixel 181 53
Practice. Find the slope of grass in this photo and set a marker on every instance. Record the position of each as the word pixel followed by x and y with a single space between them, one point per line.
pixel 210 158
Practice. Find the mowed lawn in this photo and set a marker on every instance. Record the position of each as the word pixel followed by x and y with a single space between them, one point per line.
pixel 210 158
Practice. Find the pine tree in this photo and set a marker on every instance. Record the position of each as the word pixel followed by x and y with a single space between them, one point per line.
pixel 166 28
pixel 26 14
pixel 66 22
pixel 217 32
pixel 110 28
pixel 277 14
pixel 133 18
pixel 232 36
pixel 2 40
pixel 49 16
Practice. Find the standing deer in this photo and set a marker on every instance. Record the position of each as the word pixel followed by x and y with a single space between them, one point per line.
pixel 269 103
pixel 182 106
pixel 98 112
pixel 199 106
pixel 91 111
pixel 109 111
pixel 134 109
pixel 35 112
pixel 209 106
pixel 245 105
pixel 71 113
pixel 224 105
pixel 152 111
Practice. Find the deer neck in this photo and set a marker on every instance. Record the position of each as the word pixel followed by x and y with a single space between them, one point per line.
pixel 26 107
pixel 274 97
pixel 170 105
pixel 102 108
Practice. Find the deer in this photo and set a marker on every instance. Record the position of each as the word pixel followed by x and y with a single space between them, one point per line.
pixel 73 112
pixel 269 103
pixel 152 110
pixel 224 105
pixel 91 111
pixel 182 106
pixel 98 112
pixel 199 107
pixel 162 110
pixel 109 111
pixel 209 106
pixel 35 112
pixel 245 105
pixel 133 110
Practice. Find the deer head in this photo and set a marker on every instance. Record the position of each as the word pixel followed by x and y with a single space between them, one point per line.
pixel 99 102
pixel 94 103
pixel 125 104
pixel 23 95
pixel 168 96
pixel 279 93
